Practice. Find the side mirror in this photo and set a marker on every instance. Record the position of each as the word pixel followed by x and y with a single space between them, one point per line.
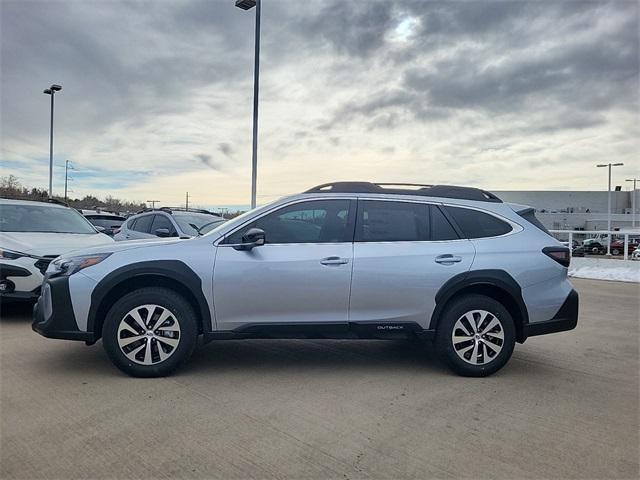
pixel 162 232
pixel 255 237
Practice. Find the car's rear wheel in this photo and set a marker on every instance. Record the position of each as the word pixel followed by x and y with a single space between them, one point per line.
pixel 150 332
pixel 475 336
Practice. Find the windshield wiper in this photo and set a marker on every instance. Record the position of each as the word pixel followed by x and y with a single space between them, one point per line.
pixel 199 230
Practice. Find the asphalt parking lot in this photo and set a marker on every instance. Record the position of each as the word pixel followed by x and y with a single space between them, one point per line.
pixel 565 407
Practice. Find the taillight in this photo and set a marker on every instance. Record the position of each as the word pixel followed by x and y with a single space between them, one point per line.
pixel 562 255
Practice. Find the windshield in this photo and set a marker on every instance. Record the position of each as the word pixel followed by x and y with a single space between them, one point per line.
pixel 191 222
pixel 42 218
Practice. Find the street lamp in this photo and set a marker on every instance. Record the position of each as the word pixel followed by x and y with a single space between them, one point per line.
pixel 609 203
pixel 247 5
pixel 633 201
pixel 51 91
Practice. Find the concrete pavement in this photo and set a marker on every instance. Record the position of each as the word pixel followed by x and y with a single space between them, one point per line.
pixel 566 406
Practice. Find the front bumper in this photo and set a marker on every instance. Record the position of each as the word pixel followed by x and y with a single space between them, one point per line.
pixel 53 313
pixel 20 279
pixel 565 319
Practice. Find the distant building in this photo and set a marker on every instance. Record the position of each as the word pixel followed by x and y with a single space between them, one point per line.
pixel 578 210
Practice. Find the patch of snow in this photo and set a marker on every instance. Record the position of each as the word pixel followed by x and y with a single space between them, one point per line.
pixel 605 269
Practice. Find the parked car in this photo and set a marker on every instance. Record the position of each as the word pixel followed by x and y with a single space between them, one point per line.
pixel 31 235
pixel 578 251
pixel 168 222
pixel 108 222
pixel 594 246
pixel 454 265
pixel 636 254
pixel 617 247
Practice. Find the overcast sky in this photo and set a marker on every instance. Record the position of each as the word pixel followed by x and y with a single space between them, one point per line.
pixel 157 95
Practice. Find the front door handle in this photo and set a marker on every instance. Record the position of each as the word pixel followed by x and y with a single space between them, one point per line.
pixel 448 259
pixel 334 261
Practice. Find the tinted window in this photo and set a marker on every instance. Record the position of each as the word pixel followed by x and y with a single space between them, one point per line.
pixel 160 221
pixel 475 224
pixel 380 221
pixel 193 223
pixel 143 224
pixel 441 229
pixel 42 218
pixel 530 216
pixel 321 221
pixel 105 221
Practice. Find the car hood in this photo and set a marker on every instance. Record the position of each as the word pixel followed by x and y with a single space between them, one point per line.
pixel 41 243
pixel 129 245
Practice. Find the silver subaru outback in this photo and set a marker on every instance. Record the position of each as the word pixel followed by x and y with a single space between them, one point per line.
pixel 453 266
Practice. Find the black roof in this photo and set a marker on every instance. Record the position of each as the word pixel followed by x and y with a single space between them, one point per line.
pixel 445 191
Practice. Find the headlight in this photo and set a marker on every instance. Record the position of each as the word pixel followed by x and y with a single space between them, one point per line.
pixel 11 254
pixel 70 265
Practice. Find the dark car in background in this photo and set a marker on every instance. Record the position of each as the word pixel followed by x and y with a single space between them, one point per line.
pixel 109 222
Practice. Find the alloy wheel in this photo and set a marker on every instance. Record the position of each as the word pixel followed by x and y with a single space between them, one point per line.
pixel 148 334
pixel 478 337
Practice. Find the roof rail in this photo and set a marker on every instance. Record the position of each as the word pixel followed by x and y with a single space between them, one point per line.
pixel 56 201
pixel 444 191
pixel 170 210
pixel 183 209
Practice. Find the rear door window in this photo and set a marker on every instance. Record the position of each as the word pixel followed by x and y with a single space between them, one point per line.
pixel 161 221
pixel 476 224
pixel 143 224
pixel 382 221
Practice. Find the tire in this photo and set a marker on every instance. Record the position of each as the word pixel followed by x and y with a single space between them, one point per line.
pixel 154 354
pixel 615 251
pixel 487 353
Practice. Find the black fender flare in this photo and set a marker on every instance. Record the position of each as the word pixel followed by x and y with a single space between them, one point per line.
pixel 174 270
pixel 491 278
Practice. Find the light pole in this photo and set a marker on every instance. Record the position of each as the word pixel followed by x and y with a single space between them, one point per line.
pixel 51 91
pixel 609 203
pixel 247 5
pixel 153 203
pixel 633 201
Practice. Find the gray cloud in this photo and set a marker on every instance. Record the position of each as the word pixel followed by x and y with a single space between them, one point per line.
pixel 226 149
pixel 478 62
pixel 208 161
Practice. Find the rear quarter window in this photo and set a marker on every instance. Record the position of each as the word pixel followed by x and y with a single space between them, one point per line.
pixel 476 224
pixel 530 216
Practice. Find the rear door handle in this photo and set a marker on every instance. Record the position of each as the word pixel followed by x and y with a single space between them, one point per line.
pixel 448 259
pixel 334 261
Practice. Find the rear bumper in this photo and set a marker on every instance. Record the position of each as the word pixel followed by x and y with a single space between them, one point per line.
pixel 53 313
pixel 565 319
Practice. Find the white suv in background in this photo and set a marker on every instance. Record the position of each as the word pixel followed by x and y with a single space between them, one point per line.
pixel 167 222
pixel 31 235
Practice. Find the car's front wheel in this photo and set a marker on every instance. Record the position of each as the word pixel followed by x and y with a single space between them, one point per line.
pixel 475 336
pixel 150 332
